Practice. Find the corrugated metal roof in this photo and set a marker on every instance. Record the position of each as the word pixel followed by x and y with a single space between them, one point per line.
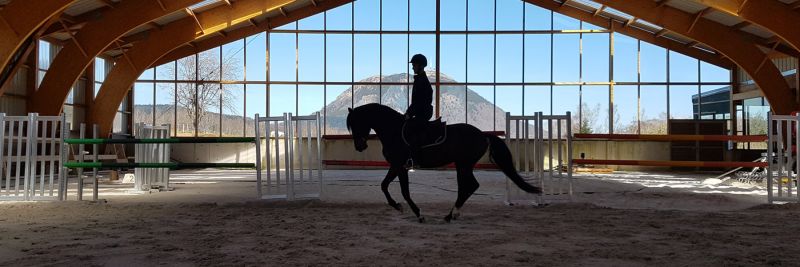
pixel 171 17
pixel 689 6
pixel 83 6
pixel 723 18
pixel 758 31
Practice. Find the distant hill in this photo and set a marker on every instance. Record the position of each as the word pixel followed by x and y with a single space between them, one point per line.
pixel 452 99
pixel 456 101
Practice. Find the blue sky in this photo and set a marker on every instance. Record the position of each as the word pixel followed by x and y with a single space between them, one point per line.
pixel 466 58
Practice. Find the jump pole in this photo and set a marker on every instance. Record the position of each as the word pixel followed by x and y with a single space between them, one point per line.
pixel 171 165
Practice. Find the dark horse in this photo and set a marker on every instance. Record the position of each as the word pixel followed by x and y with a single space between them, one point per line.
pixel 464 146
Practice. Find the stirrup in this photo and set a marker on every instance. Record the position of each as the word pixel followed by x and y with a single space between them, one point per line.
pixel 410 165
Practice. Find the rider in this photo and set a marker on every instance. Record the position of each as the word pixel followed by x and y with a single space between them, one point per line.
pixel 421 110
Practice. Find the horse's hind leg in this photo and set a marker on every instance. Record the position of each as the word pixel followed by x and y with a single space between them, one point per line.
pixel 407 195
pixel 385 188
pixel 467 185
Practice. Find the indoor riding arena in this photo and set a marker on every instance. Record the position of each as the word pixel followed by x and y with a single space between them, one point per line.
pixel 399 132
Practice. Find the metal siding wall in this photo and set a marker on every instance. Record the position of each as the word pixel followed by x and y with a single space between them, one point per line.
pixel 15 105
pixel 783 64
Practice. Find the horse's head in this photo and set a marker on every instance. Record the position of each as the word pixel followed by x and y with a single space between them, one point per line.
pixel 358 129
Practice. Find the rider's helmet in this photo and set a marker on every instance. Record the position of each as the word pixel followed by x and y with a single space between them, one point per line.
pixel 419 59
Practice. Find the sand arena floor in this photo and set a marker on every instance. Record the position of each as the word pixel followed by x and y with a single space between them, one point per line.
pixel 622 219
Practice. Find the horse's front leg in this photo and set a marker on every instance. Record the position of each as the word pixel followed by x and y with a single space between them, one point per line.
pixel 385 188
pixel 407 195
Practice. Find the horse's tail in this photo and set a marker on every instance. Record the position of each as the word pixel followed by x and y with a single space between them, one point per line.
pixel 501 155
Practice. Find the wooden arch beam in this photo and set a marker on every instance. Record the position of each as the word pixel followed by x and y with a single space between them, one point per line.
pixel 237 34
pixel 773 15
pixel 15 27
pixel 732 43
pixel 161 42
pixel 89 42
pixel 622 27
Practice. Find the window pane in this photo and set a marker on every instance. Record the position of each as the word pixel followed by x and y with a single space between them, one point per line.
pixel 511 18
pixel 653 63
pixel 712 73
pixel 338 99
pixel 537 58
pixel 424 44
pixel 281 57
pixel 480 58
pixel 562 22
pixel 682 68
pixel 315 22
pixel 282 99
pixel 509 99
pixel 481 15
pixel 594 109
pixel 165 105
pixel 595 57
pixel 208 100
pixel 209 65
pixel 423 15
pixel 186 68
pixel 509 58
pixel 453 104
pixel 537 99
pixel 481 110
pixel 395 59
pixel 454 16
pixel 256 61
pixel 536 18
pixel 233 108
pixel 339 58
pixel 625 58
pixel 680 101
pixel 143 103
pixel 625 109
pixel 185 100
pixel 367 14
pixel 566 99
pixel 99 69
pixel 255 103
pixel 566 58
pixel 367 57
pixel 365 94
pixel 395 15
pixel 653 110
pixel 454 57
pixel 312 98
pixel 340 18
pixel 395 96
pixel 166 71
pixel 311 54
pixel 233 61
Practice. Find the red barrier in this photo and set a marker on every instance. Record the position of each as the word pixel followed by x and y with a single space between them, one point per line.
pixel 709 164
pixel 674 137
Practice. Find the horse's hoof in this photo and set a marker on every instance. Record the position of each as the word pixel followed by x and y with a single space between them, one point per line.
pixel 421 219
pixel 448 218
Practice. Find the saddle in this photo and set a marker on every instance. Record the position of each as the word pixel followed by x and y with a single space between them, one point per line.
pixel 431 134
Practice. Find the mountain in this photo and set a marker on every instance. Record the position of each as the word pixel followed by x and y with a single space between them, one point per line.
pixel 456 101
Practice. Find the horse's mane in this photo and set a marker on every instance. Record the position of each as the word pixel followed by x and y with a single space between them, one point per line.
pixel 374 109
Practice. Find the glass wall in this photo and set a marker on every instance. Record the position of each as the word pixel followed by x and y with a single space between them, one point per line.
pixel 496 56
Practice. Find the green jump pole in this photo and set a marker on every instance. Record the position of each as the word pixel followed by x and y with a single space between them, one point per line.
pixel 171 165
pixel 179 140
